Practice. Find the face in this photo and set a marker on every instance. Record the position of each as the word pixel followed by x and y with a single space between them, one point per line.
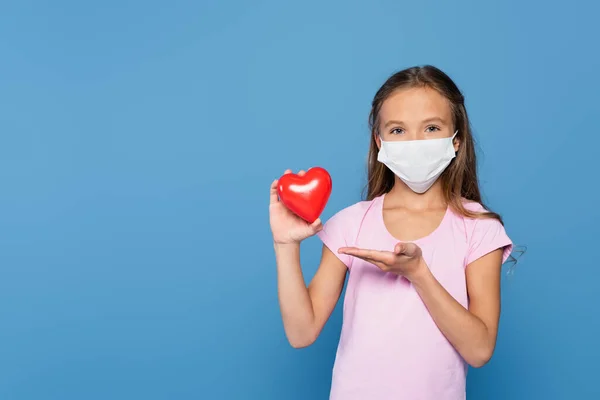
pixel 415 114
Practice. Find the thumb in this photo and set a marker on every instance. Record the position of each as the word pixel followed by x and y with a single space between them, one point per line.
pixel 407 249
pixel 400 248
pixel 316 226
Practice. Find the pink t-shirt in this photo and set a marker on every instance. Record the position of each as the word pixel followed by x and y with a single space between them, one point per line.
pixel 390 347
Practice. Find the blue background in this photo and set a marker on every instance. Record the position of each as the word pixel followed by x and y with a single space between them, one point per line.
pixel 138 140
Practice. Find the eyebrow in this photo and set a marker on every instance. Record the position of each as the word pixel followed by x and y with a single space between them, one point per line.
pixel 435 119
pixel 428 120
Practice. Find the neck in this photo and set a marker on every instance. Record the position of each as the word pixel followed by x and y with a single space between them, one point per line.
pixel 402 195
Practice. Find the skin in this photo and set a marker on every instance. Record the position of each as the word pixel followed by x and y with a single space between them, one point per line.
pixel 412 114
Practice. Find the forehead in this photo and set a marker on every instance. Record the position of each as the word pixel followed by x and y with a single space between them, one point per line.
pixel 415 105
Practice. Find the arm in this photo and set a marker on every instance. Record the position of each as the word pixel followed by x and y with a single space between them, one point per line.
pixel 472 332
pixel 305 310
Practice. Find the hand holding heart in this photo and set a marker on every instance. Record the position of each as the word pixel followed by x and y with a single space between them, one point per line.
pixel 406 259
pixel 287 227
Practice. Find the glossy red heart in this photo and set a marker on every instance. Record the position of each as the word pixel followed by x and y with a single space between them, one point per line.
pixel 306 195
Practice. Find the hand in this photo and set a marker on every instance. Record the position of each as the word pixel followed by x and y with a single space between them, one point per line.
pixel 406 259
pixel 287 227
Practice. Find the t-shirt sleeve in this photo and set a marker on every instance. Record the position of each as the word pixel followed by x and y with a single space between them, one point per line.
pixel 339 231
pixel 488 235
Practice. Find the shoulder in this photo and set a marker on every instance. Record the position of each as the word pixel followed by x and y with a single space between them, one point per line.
pixel 347 221
pixel 478 219
pixel 354 211
pixel 474 207
pixel 484 233
pixel 479 214
pixel 342 228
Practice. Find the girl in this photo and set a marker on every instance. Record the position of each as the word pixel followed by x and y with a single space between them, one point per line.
pixel 423 254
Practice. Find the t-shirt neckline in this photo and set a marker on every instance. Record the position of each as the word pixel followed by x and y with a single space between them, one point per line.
pixel 416 241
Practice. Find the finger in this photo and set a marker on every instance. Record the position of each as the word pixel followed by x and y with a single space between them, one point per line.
pixel 274 198
pixel 399 248
pixel 356 252
pixel 406 249
pixel 361 253
pixel 351 251
pixel 382 266
pixel 301 172
pixel 384 257
pixel 287 171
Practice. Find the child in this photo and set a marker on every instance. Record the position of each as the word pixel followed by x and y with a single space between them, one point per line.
pixel 423 255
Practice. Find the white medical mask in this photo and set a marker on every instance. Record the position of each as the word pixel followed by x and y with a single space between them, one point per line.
pixel 418 163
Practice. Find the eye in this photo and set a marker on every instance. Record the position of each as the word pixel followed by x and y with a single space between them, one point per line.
pixel 432 128
pixel 397 131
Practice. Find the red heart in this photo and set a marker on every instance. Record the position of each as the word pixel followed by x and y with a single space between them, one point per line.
pixel 306 195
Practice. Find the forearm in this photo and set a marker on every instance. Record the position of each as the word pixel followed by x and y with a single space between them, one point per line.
pixel 465 331
pixel 294 300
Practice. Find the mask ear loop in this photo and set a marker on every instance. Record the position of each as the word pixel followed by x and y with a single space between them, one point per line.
pixel 453 137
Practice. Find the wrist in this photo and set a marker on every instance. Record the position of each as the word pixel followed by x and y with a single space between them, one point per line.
pixel 286 246
pixel 420 274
